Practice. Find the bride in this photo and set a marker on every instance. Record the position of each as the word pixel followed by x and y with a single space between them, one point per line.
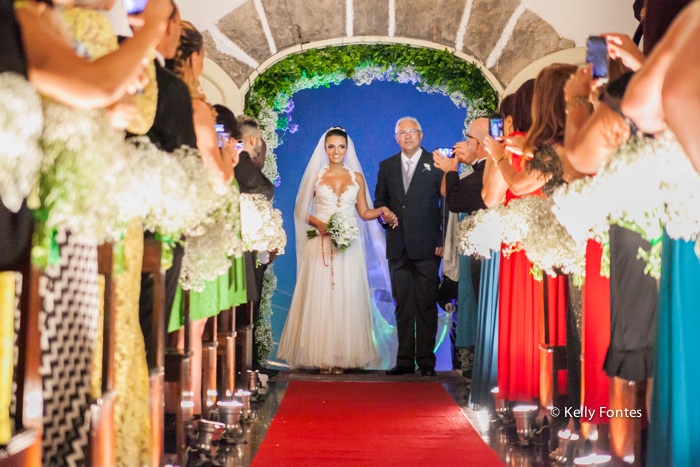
pixel 342 306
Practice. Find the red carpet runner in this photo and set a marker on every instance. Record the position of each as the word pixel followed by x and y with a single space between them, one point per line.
pixel 362 424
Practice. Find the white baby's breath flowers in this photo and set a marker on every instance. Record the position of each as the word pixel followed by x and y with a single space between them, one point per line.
pixel 480 233
pixel 261 224
pixel 85 163
pixel 21 123
pixel 526 223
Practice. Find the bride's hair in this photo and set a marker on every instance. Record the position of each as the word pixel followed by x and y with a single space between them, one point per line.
pixel 337 131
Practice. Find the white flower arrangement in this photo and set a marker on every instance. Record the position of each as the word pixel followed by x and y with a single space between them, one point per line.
pixel 648 183
pixel 85 163
pixel 21 123
pixel 526 223
pixel 547 243
pixel 93 182
pixel 261 224
pixel 209 246
pixel 263 327
pixel 480 233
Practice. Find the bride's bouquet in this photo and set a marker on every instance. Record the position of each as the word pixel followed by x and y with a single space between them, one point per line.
pixel 343 230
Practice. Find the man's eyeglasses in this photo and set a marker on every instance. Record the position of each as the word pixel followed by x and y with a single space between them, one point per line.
pixel 404 133
pixel 470 138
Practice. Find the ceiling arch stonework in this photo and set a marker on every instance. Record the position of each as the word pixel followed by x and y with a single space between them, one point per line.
pixel 503 35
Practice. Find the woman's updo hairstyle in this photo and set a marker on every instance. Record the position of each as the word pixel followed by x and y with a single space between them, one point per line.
pixel 191 41
pixel 337 131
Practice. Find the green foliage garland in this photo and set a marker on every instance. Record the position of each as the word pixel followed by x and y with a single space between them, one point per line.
pixel 435 67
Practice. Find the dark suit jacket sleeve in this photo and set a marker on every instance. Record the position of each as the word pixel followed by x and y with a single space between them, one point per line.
pixel 381 191
pixel 464 195
pixel 251 180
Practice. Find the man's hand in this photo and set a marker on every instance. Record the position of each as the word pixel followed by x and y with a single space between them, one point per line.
pixel 273 254
pixel 446 164
pixel 439 251
pixel 389 217
pixel 463 153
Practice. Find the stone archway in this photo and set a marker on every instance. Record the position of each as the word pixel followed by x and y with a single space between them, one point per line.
pixel 503 37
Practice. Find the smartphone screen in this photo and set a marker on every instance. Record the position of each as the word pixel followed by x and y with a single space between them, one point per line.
pixel 597 55
pixel 496 127
pixel 134 6
pixel 239 145
pixel 447 152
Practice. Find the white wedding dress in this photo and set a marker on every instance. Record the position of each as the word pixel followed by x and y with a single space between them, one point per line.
pixel 330 321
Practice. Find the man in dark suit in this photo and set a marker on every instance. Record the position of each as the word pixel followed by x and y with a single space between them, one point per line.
pixel 251 180
pixel 409 185
pixel 172 127
pixel 463 192
pixel 252 159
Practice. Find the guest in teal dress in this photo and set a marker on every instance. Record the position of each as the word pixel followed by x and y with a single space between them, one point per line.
pixel 485 371
pixel 466 306
pixel 674 431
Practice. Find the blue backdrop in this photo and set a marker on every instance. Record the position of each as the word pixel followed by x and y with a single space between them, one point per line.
pixel 369 115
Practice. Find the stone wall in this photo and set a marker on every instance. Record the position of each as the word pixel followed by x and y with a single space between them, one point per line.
pixel 501 34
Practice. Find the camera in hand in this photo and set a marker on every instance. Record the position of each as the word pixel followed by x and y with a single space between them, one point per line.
pixel 446 152
pixel 496 126
pixel 597 55
pixel 133 7
pixel 221 134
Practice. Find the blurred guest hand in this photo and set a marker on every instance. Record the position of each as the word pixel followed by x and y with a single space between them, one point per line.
pixel 446 164
pixel 623 47
pixel 122 112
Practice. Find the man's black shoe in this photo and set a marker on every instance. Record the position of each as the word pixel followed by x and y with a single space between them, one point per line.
pixel 427 371
pixel 400 370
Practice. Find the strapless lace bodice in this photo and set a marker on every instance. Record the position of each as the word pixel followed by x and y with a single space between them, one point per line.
pixel 327 202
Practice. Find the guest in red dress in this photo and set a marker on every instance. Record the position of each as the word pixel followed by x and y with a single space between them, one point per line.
pixel 522 328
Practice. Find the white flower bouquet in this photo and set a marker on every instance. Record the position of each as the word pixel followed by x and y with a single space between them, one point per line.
pixel 343 230
pixel 21 123
pixel 529 224
pixel 261 224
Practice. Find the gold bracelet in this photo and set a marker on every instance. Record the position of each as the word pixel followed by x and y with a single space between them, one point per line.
pixel 501 159
pixel 576 101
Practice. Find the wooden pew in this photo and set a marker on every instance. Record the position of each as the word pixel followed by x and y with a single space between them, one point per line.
pixel 227 352
pixel 178 371
pixel 102 450
pixel 24 448
pixel 152 251
pixel 244 337
pixel 209 387
pixel 552 361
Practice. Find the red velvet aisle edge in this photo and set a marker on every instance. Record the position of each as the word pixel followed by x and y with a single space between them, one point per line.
pixel 595 391
pixel 363 424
